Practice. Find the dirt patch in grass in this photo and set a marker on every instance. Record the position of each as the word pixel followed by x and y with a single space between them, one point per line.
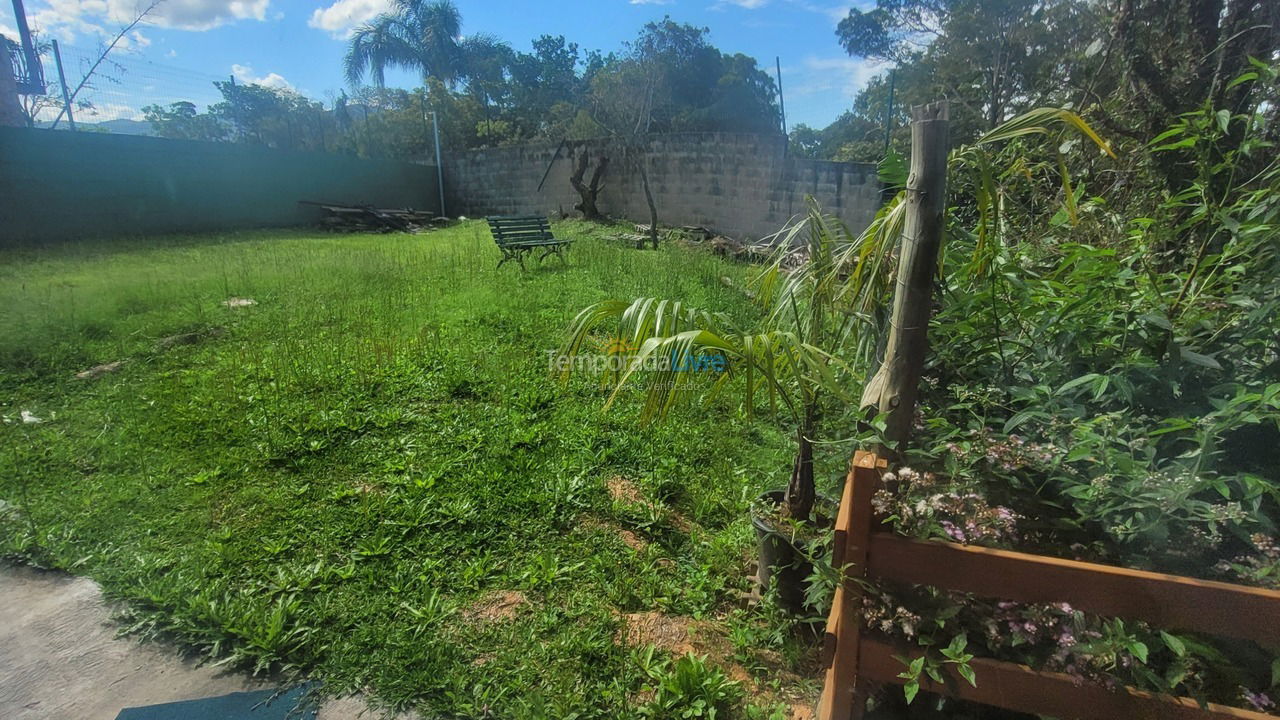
pixel 629 538
pixel 497 606
pixel 679 635
pixel 666 632
pixel 624 489
pixel 632 540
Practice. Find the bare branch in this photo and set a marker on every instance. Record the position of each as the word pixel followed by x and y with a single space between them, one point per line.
pixel 103 56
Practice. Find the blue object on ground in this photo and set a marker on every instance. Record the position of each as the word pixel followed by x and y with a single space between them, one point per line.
pixel 257 705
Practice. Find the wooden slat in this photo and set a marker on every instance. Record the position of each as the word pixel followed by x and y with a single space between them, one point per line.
pixel 522 227
pixel 519 223
pixel 1019 688
pixel 843 696
pixel 1166 601
pixel 498 232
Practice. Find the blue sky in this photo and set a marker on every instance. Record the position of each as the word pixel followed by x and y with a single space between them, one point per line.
pixel 300 44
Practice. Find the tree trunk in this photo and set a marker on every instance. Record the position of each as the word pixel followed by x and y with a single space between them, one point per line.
pixel 588 192
pixel 648 197
pixel 801 492
pixel 893 389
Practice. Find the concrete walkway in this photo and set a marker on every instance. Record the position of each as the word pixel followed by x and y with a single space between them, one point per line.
pixel 60 657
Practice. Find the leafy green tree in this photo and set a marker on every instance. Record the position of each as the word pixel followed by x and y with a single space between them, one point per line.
pixel 546 88
pixel 273 117
pixel 694 86
pixel 181 120
pixel 991 59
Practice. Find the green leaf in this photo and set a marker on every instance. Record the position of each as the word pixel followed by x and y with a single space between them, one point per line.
pixel 1183 143
pixel 1243 78
pixel 1196 358
pixel 892 170
pixel 1157 319
pixel 1224 119
pixel 1079 452
pixel 967 673
pixel 910 690
pixel 1173 644
pixel 1275 672
pixel 1021 418
pixel 1139 651
pixel 1077 382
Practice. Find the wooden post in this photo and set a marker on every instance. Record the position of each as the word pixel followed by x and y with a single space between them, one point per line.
pixel 893 389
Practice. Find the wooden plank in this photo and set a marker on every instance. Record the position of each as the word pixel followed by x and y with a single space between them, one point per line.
pixel 528 229
pixel 1019 688
pixel 1166 601
pixel 843 695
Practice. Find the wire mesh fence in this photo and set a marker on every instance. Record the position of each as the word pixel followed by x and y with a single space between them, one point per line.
pixel 111 92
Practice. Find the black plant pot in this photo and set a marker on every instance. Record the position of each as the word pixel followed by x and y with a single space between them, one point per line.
pixel 783 558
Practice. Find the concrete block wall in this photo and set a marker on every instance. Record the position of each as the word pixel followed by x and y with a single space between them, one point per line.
pixel 743 186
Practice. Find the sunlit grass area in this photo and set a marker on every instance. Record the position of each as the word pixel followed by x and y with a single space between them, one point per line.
pixel 367 475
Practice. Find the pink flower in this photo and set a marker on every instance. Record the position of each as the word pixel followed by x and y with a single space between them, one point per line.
pixel 1259 701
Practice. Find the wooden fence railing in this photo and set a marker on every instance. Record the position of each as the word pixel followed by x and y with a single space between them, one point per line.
pixel 857 659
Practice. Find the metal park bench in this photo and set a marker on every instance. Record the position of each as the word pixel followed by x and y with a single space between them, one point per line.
pixel 519 236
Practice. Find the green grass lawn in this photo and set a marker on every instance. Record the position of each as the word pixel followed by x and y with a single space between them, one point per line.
pixel 344 478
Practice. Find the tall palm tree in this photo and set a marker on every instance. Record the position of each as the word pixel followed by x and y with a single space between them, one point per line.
pixel 485 61
pixel 420 35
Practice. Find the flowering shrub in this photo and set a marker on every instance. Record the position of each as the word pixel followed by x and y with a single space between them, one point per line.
pixel 1104 387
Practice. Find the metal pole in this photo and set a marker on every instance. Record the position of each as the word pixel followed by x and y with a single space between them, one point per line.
pixel 435 126
pixel 62 80
pixel 782 103
pixel 35 73
pixel 888 118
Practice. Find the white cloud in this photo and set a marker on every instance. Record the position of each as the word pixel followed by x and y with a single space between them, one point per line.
pixel 191 14
pixel 836 12
pixel 244 73
pixel 67 19
pixel 651 2
pixel 340 18
pixel 844 75
pixel 745 4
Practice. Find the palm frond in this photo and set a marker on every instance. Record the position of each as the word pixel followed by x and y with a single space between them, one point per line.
pixel 376 46
pixel 1038 122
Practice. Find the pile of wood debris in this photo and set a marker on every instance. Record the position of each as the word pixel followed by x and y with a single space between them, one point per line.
pixel 751 252
pixel 366 218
